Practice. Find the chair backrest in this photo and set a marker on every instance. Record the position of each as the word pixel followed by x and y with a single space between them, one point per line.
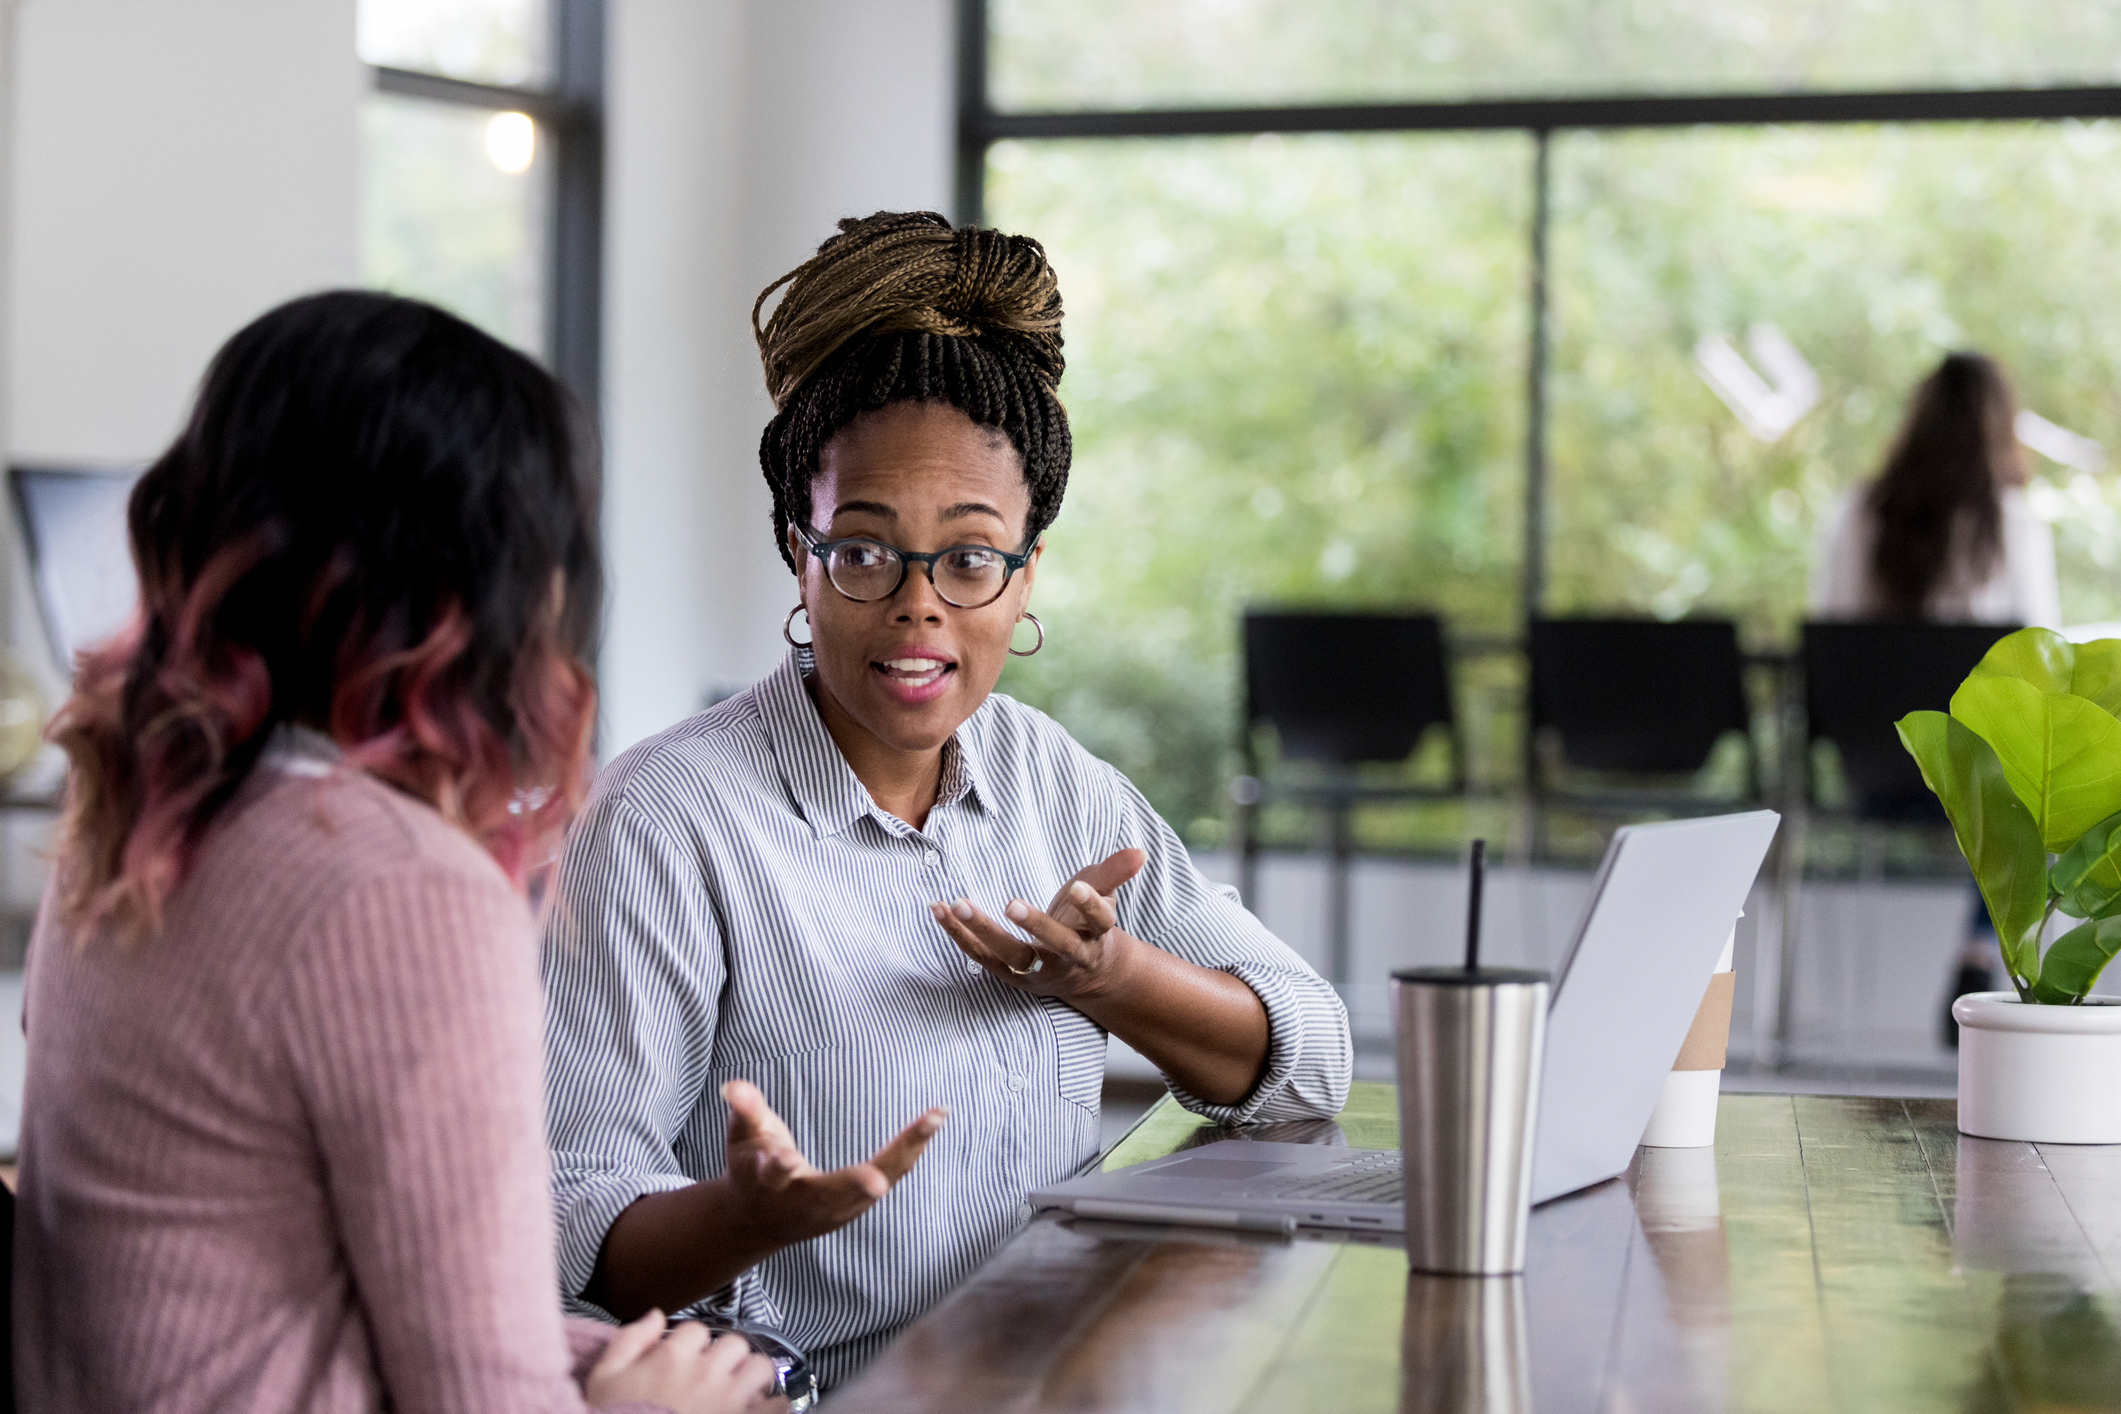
pixel 1346 687
pixel 1860 678
pixel 1637 695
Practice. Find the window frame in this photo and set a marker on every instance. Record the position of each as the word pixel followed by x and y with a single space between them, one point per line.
pixel 570 110
pixel 980 125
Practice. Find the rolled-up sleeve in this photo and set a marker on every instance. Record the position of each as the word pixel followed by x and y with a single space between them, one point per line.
pixel 634 970
pixel 1171 904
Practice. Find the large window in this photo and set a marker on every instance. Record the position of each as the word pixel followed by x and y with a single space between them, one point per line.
pixel 1295 372
pixel 455 208
pixel 1865 252
pixel 1119 54
pixel 481 166
pixel 1523 307
pixel 503 42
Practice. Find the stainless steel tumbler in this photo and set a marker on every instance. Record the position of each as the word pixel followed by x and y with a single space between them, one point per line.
pixel 1470 1043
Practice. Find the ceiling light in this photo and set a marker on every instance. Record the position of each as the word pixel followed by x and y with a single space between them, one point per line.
pixel 512 141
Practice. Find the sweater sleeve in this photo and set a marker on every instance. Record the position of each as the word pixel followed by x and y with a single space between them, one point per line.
pixel 411 1018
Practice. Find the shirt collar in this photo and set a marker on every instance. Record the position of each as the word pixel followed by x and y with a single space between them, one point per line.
pixel 824 787
pixel 961 769
pixel 301 751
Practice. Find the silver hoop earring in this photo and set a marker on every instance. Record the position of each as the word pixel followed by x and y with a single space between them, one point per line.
pixel 788 626
pixel 1034 647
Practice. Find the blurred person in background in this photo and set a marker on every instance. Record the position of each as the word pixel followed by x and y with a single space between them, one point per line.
pixel 1944 534
pixel 802 885
pixel 283 1139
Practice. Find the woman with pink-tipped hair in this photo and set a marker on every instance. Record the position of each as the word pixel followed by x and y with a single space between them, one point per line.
pixel 283 1140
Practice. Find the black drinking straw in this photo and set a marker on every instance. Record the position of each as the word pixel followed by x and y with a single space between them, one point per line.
pixel 1480 862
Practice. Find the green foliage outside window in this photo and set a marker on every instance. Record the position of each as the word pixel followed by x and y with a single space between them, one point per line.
pixel 1875 250
pixel 1060 54
pixel 440 221
pixel 1297 374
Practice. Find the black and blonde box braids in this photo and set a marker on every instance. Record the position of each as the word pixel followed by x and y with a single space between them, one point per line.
pixel 904 307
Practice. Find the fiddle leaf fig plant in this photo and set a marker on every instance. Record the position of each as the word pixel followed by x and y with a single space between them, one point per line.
pixel 2028 767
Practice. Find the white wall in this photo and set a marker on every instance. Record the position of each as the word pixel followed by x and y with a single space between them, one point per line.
pixel 169 169
pixel 181 165
pixel 178 169
pixel 7 206
pixel 739 133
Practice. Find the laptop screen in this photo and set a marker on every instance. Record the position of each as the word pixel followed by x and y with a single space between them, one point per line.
pixel 74 522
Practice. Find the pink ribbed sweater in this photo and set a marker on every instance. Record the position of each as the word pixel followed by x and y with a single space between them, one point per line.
pixel 289 1154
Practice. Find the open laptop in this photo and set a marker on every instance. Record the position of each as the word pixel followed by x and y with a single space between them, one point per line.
pixel 1663 903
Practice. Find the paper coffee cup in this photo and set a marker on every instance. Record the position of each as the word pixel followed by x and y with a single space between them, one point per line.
pixel 1685 1117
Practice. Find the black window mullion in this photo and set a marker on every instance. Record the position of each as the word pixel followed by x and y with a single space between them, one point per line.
pixel 974 117
pixel 1538 357
pixel 575 312
pixel 571 113
pixel 547 106
pixel 1534 114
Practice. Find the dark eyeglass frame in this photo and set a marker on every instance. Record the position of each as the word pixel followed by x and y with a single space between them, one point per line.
pixel 1011 563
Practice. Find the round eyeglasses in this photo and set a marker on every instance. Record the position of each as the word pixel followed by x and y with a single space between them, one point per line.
pixel 865 570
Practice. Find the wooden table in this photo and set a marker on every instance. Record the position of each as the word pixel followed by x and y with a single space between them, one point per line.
pixel 1844 1254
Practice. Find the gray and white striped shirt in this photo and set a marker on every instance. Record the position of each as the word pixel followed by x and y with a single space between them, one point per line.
pixel 733 904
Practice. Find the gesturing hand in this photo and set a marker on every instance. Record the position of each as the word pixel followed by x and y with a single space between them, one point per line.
pixel 789 1198
pixel 1076 949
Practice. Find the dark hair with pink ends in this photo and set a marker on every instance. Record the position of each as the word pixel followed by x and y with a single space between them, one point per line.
pixel 380 523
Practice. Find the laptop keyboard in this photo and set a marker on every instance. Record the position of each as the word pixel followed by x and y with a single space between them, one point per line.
pixel 1375 1178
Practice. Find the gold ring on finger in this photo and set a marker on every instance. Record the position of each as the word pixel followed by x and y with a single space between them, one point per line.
pixel 1037 962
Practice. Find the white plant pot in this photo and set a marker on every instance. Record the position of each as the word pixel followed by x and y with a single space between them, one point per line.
pixel 2039 1074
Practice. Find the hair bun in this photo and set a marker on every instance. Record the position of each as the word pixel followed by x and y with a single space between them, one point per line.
pixel 909 270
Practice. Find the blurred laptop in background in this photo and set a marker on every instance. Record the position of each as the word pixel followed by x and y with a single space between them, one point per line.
pixel 73 523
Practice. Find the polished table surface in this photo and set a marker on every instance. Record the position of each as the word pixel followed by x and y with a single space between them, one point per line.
pixel 1849 1254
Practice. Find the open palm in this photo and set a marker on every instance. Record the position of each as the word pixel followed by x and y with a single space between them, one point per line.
pixel 790 1198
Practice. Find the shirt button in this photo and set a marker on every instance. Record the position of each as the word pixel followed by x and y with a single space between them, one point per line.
pixel 931 859
pixel 1016 1082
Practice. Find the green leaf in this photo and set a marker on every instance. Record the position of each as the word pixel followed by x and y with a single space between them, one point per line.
pixel 2055 665
pixel 2088 875
pixel 1996 832
pixel 2061 753
pixel 2075 960
pixel 2039 656
pixel 2098 674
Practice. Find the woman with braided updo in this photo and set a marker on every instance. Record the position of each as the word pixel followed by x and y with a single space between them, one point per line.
pixel 794 898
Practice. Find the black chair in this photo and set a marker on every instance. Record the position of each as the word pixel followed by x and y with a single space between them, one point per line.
pixel 1862 677
pixel 1858 678
pixel 1632 698
pixel 1340 690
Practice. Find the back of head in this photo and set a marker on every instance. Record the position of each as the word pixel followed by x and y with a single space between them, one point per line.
pixel 1938 495
pixel 903 307
pixel 379 523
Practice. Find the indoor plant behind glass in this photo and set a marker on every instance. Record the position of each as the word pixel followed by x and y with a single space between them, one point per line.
pixel 2028 766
